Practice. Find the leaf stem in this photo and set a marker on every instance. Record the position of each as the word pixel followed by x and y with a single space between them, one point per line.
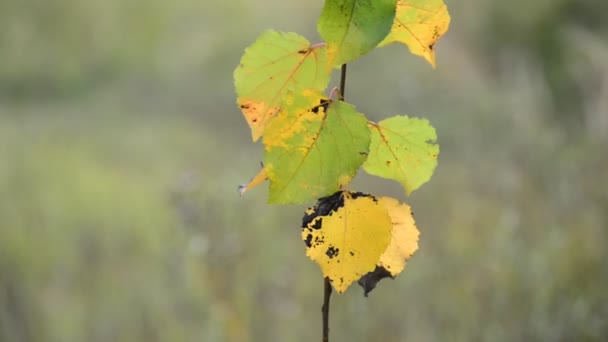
pixel 333 92
pixel 325 309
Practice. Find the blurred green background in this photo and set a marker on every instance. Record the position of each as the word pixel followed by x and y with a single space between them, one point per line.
pixel 121 149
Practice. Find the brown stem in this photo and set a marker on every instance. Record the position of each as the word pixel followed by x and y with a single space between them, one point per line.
pixel 343 82
pixel 325 309
pixel 327 283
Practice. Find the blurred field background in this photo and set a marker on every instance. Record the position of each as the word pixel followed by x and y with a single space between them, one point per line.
pixel 121 149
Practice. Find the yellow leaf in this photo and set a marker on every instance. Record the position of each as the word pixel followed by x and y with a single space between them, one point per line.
pixel 419 24
pixel 346 233
pixel 403 244
pixel 257 115
pixel 404 236
pixel 260 178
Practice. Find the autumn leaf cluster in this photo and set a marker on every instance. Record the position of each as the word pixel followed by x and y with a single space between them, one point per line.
pixel 315 142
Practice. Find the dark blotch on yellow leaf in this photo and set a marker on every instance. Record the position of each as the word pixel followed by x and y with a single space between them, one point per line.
pixel 308 240
pixel 324 206
pixel 332 252
pixel 369 281
pixel 360 194
pixel 318 223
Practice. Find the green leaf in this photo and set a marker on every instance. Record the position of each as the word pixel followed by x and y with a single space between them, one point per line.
pixel 276 63
pixel 352 28
pixel 313 147
pixel 403 149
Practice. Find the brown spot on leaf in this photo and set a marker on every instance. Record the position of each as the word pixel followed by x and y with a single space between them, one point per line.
pixel 308 240
pixel 355 195
pixel 324 103
pixel 332 252
pixel 318 241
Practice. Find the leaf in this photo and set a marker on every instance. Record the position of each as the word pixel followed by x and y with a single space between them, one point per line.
pixel 403 149
pixel 352 28
pixel 404 238
pixel 403 244
pixel 260 178
pixel 419 24
pixel 345 234
pixel 270 67
pixel 313 147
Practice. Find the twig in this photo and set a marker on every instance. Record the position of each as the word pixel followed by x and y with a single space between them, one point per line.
pixel 327 283
pixel 325 309
pixel 343 82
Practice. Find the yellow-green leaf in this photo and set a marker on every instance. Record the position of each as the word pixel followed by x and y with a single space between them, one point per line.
pixel 346 234
pixel 275 64
pixel 313 147
pixel 419 24
pixel 403 149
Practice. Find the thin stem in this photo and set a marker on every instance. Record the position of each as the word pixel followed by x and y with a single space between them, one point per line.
pixel 325 309
pixel 343 82
pixel 326 282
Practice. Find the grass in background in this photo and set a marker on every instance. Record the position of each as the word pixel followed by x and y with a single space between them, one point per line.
pixel 121 149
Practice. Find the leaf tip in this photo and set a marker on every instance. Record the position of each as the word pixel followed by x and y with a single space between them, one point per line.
pixel 260 178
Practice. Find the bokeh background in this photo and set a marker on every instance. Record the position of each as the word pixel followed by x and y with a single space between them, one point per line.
pixel 121 149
